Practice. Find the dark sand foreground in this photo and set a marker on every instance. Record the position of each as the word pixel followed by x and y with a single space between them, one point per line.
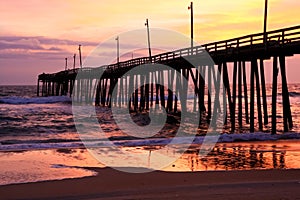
pixel 112 184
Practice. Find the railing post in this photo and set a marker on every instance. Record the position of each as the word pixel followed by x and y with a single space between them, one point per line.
pixel 238 45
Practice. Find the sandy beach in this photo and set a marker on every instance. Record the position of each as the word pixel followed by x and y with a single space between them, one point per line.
pixel 113 184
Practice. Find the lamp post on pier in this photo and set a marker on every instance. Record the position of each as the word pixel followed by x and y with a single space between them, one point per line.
pixel 79 49
pixel 118 50
pixel 192 24
pixel 74 59
pixel 66 66
pixel 265 22
pixel 148 33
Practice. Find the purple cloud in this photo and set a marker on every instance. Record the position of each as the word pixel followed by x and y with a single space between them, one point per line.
pixel 45 41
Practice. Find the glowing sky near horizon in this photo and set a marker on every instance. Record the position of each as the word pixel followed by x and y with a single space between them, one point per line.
pixel 36 36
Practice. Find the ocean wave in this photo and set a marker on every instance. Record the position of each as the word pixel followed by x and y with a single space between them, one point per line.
pixel 224 138
pixel 35 100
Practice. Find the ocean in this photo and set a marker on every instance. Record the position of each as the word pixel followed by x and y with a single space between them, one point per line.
pixel 39 141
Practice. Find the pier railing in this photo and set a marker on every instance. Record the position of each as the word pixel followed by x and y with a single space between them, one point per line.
pixel 254 42
pixel 276 38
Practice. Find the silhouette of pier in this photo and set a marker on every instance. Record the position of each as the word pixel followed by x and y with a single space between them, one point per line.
pixel 246 99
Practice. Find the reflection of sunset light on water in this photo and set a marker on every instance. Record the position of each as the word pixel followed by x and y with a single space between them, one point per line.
pixel 70 163
pixel 242 156
pixel 225 156
pixel 41 165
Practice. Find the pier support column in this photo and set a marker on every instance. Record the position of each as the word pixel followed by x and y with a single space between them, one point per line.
pixel 240 106
pixel 258 100
pixel 227 86
pixel 209 93
pixel 233 106
pixel 202 108
pixel 245 93
pixel 131 92
pixel 252 98
pixel 147 92
pixel 287 116
pixel 38 88
pixel 97 97
pixel 274 94
pixel 263 90
pixel 162 89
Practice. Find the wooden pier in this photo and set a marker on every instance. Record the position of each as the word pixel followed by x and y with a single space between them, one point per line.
pixel 246 100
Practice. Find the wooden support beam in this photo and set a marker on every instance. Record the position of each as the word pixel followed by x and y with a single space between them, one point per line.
pixel 152 87
pixel 263 90
pixel 130 92
pixel 232 110
pixel 240 105
pixel 53 88
pixel 195 91
pixel 258 100
pixel 217 106
pixel 38 88
pixel 245 93
pixel 107 100
pixel 201 95
pixel 170 90
pixel 274 94
pixel 97 97
pixel 126 99
pixel 252 98
pixel 195 81
pixel 147 99
pixel 77 89
pixel 80 89
pixel 142 93
pixel 176 86
pixel 157 87
pixel 227 87
pixel 216 81
pixel 162 89
pixel 183 90
pixel 91 90
pixel 287 115
pixel 136 93
pixel 116 88
pixel 209 92
pixel 121 92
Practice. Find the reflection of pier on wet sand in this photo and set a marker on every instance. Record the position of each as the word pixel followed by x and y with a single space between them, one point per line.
pixel 243 52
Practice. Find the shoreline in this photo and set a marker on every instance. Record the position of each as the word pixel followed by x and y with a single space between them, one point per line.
pixel 57 164
pixel 113 184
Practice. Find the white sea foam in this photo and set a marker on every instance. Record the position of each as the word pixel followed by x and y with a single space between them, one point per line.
pixel 34 100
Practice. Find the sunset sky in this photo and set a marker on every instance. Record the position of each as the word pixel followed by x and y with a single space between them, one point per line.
pixel 37 35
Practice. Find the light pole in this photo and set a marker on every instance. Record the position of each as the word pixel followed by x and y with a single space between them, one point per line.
pixel 79 48
pixel 66 67
pixel 265 22
pixel 118 49
pixel 74 58
pixel 147 25
pixel 192 24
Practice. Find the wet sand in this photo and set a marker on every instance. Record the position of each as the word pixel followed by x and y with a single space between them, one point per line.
pixel 112 184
